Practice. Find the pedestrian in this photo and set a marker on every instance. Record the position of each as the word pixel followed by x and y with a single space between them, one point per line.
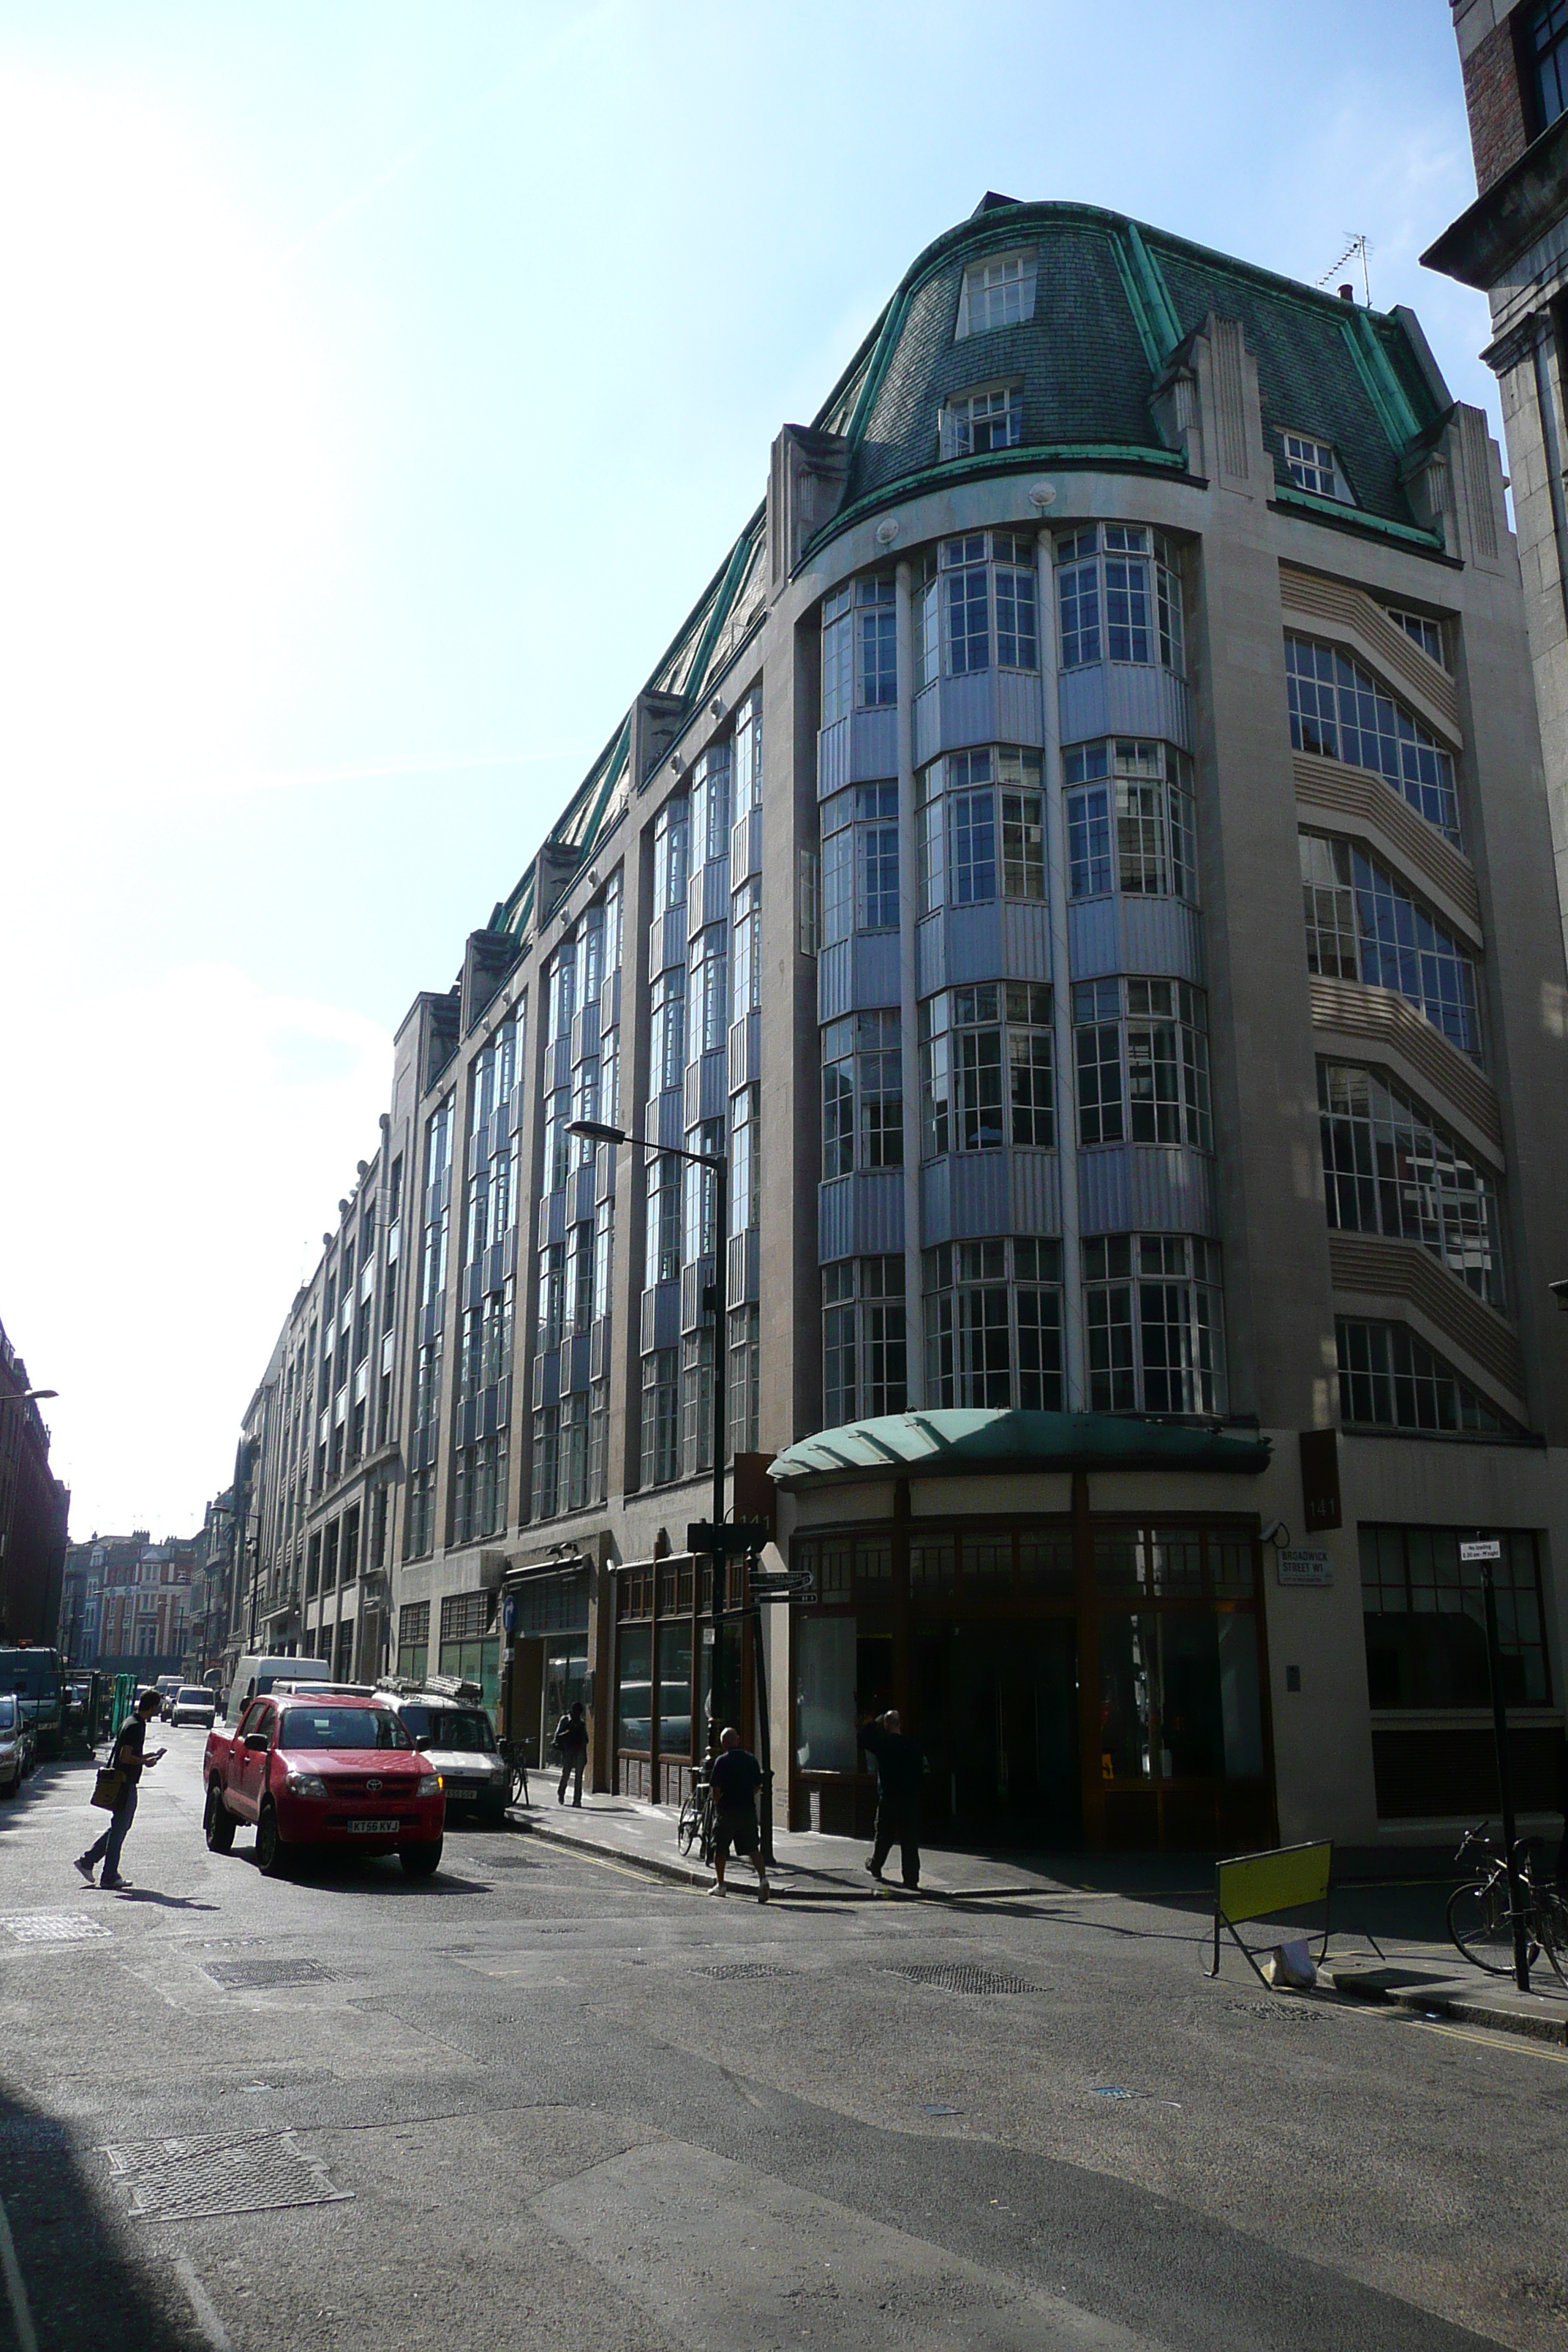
pixel 734 1777
pixel 572 1747
pixel 128 1758
pixel 899 1761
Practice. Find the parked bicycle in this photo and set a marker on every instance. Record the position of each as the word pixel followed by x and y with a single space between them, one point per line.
pixel 1480 1918
pixel 517 1765
pixel 695 1826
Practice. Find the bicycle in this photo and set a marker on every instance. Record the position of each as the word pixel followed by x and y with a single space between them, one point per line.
pixel 696 1823
pixel 1480 1918
pixel 517 1765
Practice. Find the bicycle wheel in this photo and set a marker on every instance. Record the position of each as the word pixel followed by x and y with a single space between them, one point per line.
pixel 1552 1925
pixel 685 1828
pixel 1480 1925
pixel 709 1840
pixel 519 1795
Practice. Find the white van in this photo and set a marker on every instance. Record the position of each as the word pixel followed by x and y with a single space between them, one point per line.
pixel 253 1675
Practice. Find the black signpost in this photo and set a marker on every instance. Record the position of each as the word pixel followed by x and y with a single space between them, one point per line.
pixel 1484 1552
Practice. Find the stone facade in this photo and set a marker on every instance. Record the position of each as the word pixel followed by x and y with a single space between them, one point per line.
pixel 1081 864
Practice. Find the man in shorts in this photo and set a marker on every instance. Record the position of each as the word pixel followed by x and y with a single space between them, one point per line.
pixel 735 1778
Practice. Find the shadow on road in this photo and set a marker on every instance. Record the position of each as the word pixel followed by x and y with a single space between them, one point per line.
pixel 83 2295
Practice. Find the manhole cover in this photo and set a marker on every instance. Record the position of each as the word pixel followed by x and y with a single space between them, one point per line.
pixel 182 2181
pixel 261 1975
pixel 745 1970
pixel 960 1978
pixel 53 1927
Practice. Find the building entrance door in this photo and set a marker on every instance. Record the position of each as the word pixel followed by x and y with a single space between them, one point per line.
pixel 996 1710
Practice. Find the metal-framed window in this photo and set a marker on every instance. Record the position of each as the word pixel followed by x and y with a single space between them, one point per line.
pixel 1425 1614
pixel 1390 1167
pixel 745 963
pixel 957 600
pixel 997 292
pixel 478 1489
pixel 1154 1324
pixel 877 644
pixel 1363 924
pixel 986 1067
pixel 972 424
pixel 743 1412
pixel 1544 39
pixel 992 1314
pixel 1312 466
pixel 697 1402
pixel 708 992
pixel 864 1363
pixel 746 1161
pixel 1417 626
pixel 670 847
pixel 662 1253
pixel 1390 1379
pixel 1135 832
pixel 862 1093
pixel 661 1417
pixel 961 822
pixel 550 1299
pixel 1141 1047
pixel 667 1029
pixel 1340 711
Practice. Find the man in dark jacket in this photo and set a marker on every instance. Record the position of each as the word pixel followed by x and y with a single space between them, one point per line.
pixel 130 1755
pixel 899 1761
pixel 572 1747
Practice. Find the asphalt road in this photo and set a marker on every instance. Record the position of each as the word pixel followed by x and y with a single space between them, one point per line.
pixel 543 2100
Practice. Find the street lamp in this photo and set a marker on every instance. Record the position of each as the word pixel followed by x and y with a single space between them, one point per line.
pixel 25 1396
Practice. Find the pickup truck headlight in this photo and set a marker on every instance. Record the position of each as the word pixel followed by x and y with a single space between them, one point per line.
pixel 429 1784
pixel 304 1784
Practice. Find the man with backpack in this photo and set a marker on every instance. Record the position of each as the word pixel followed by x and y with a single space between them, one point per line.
pixel 572 1747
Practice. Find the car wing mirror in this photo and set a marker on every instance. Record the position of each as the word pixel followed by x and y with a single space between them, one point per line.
pixel 256 1741
pixel 422 1745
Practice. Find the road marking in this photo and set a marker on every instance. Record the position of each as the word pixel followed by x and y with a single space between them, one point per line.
pixel 16 2292
pixel 1526 2045
pixel 211 2325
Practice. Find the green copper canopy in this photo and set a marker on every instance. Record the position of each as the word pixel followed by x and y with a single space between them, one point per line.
pixel 935 1444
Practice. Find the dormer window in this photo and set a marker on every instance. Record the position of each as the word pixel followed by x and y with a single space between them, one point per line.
pixel 973 423
pixel 1312 466
pixel 998 292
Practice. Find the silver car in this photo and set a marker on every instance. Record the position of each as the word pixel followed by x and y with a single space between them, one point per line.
pixel 193 1703
pixel 457 1736
pixel 13 1745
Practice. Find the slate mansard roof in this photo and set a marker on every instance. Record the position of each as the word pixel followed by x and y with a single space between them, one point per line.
pixel 1114 303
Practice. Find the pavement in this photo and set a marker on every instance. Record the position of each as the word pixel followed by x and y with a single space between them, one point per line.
pixel 1392 1945
pixel 550 2096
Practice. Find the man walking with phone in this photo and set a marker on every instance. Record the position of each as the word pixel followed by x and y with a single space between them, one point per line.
pixel 129 1759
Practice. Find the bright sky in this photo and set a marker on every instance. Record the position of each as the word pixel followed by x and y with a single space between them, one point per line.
pixel 382 385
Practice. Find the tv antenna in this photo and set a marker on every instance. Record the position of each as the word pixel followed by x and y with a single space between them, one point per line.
pixel 1357 247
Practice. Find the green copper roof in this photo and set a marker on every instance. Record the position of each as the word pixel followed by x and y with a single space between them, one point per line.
pixel 932 1445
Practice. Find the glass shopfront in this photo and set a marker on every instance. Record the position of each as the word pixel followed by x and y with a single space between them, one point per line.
pixel 674 1672
pixel 1095 1683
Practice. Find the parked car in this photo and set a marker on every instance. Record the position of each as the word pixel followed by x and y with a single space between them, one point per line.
pixel 168 1687
pixel 256 1674
pixel 193 1703
pixel 330 1772
pixel 458 1737
pixel 13 1745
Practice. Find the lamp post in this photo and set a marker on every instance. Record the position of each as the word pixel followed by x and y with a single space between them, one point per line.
pixel 594 1130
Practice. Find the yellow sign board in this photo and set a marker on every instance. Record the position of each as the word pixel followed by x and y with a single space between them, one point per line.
pixel 1255 1886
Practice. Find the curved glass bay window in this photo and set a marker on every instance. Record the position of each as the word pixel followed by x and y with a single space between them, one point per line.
pixel 860 861
pixel 662 1225
pixel 1340 711
pixel 980 826
pixel 863 1344
pixel 709 806
pixel 978 608
pixel 862 1093
pixel 986 1067
pixel 1390 1167
pixel 1363 924
pixel 1142 1051
pixel 667 1029
pixel 1155 1323
pixel 1119 597
pixel 1130 821
pixel 993 1323
pixel 859 650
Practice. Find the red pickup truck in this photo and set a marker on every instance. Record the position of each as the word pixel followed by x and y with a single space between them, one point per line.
pixel 336 1771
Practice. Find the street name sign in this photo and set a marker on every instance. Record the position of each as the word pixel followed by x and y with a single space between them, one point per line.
pixel 1298 1564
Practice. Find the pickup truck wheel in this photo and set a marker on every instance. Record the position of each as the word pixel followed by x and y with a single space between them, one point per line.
pixel 218 1822
pixel 269 1846
pixel 421 1861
